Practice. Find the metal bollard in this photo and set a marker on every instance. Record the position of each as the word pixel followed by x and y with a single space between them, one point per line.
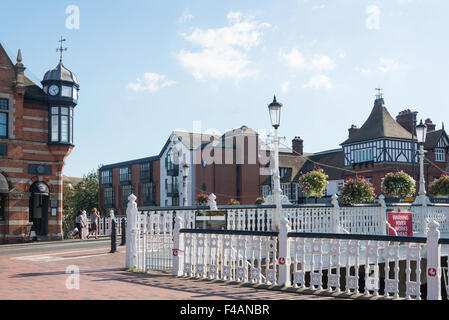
pixel 123 232
pixel 113 237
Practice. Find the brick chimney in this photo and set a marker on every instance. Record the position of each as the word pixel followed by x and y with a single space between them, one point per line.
pixel 298 146
pixel 406 118
pixel 430 125
pixel 353 130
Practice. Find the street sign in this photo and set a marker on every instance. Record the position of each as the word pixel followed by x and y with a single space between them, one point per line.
pixel 401 222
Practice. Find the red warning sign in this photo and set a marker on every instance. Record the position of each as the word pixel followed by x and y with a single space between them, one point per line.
pixel 402 222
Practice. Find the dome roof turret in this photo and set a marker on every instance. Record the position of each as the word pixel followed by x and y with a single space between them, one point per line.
pixel 60 73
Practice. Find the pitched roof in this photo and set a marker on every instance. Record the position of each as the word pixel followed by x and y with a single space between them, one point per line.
pixel 433 137
pixel 380 124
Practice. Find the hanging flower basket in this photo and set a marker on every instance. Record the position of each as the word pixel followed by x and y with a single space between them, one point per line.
pixel 358 190
pixel 233 202
pixel 201 198
pixel 398 184
pixel 313 183
pixel 440 186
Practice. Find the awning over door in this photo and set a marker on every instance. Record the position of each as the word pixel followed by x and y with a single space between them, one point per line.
pixel 39 188
pixel 3 184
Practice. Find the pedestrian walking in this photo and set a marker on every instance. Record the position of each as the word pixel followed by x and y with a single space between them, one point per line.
pixel 94 215
pixel 78 223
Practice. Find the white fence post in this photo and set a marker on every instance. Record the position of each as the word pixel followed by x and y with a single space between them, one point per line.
pixel 178 248
pixel 131 232
pixel 335 217
pixel 284 254
pixel 383 215
pixel 424 216
pixel 433 271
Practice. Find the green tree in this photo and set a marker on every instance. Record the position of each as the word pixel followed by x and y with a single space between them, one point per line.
pixel 82 196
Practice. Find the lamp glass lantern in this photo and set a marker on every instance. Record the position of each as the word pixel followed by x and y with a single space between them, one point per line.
pixel 421 131
pixel 275 113
pixel 185 170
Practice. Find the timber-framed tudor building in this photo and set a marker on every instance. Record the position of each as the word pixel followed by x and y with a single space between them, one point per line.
pixel 36 136
pixel 381 145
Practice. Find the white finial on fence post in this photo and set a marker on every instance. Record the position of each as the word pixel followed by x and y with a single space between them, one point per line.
pixel 335 214
pixel 383 214
pixel 211 202
pixel 433 271
pixel 178 248
pixel 284 254
pixel 131 232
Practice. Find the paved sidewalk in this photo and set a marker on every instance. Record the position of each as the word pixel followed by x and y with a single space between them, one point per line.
pixel 42 276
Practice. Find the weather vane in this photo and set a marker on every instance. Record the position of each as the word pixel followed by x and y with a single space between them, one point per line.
pixel 61 49
pixel 379 93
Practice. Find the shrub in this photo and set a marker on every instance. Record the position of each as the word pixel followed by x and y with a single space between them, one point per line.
pixel 260 200
pixel 440 186
pixel 201 198
pixel 398 184
pixel 357 190
pixel 313 183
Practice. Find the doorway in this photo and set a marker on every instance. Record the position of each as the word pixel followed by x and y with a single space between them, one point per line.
pixel 39 208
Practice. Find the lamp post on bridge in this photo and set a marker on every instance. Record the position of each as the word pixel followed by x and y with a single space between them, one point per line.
pixel 185 174
pixel 421 132
pixel 274 109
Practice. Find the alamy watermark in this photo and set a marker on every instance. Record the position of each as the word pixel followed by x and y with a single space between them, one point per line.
pixel 73 280
pixel 72 21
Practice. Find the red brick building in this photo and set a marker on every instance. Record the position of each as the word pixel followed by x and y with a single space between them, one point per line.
pixel 36 136
pixel 385 145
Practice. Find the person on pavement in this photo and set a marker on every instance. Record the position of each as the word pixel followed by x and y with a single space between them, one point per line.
pixel 93 223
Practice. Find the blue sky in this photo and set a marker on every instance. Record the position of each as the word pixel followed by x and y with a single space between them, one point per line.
pixel 149 67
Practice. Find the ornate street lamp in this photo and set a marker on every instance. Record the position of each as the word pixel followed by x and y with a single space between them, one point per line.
pixel 274 109
pixel 185 174
pixel 421 132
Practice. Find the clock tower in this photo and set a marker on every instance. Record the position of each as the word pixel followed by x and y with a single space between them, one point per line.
pixel 61 87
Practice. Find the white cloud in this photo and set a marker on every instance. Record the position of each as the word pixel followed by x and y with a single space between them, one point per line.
pixel 384 66
pixel 285 86
pixel 319 81
pixel 389 65
pixel 223 51
pixel 150 82
pixel 322 63
pixel 320 6
pixel 295 59
pixel 186 16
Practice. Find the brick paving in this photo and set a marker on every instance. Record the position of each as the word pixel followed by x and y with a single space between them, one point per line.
pixel 102 277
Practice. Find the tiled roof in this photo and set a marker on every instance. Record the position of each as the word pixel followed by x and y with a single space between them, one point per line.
pixel 433 137
pixel 380 124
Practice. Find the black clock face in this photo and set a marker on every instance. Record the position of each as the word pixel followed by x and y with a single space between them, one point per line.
pixel 53 90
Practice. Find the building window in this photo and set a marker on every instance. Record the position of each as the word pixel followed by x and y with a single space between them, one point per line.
pixel 125 175
pixel 171 162
pixel 61 124
pixel 66 91
pixel 283 172
pixel 286 190
pixel 440 155
pixel 145 171
pixel 266 191
pixel 147 193
pixel 126 191
pixel 106 177
pixel 108 194
pixel 363 155
pixel 175 201
pixel 4 108
pixel 175 184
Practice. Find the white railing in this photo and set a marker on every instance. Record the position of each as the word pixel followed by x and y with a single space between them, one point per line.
pixel 353 263
pixel 104 225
